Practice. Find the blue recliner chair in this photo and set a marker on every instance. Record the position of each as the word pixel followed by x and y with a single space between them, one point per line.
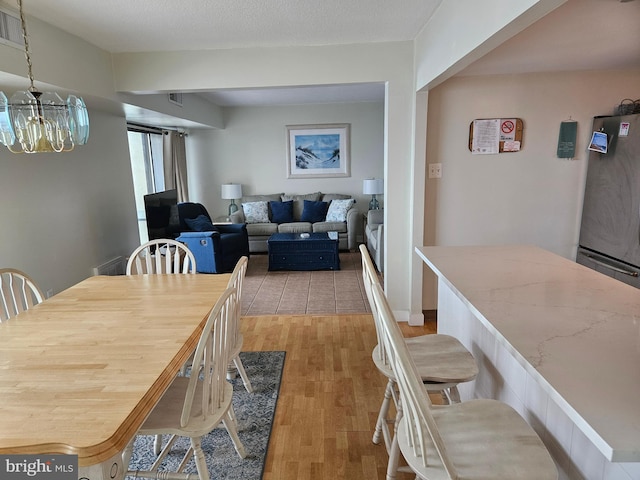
pixel 217 248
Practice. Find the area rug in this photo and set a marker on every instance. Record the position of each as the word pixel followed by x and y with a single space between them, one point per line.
pixel 255 412
pixel 318 292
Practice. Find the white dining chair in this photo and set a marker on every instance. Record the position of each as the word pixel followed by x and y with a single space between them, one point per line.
pixel 18 292
pixel 194 405
pixel 162 255
pixel 442 360
pixel 480 439
pixel 237 281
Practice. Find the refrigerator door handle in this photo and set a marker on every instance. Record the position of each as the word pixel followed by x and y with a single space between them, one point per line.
pixel 612 267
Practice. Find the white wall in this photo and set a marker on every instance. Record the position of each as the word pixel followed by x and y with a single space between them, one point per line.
pixel 463 31
pixel 527 197
pixel 63 214
pixel 251 150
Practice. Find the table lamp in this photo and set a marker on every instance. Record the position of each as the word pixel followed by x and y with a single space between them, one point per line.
pixel 231 191
pixel 373 187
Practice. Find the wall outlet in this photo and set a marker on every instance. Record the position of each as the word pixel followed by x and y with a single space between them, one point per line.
pixel 435 170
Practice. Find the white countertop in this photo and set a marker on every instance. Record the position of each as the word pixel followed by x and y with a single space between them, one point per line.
pixel 578 329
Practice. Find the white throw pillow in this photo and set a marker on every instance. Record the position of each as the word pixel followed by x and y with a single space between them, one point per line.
pixel 338 210
pixel 256 212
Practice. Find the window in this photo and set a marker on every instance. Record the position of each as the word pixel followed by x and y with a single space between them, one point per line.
pixel 145 150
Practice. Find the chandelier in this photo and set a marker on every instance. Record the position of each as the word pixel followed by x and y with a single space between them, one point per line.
pixel 36 122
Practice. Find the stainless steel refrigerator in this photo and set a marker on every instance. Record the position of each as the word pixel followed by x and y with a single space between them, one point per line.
pixel 610 229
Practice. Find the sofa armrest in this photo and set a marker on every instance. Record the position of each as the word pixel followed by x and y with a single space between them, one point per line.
pixel 379 255
pixel 375 217
pixel 231 227
pixel 237 216
pixel 352 228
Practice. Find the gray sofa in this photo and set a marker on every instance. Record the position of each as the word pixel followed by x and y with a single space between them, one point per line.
pixel 374 236
pixel 260 231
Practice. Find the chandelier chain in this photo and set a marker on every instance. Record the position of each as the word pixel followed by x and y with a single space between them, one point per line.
pixel 27 52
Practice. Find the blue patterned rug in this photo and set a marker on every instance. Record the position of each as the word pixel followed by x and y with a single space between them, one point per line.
pixel 255 412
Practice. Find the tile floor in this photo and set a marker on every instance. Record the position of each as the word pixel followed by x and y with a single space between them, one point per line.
pixel 316 292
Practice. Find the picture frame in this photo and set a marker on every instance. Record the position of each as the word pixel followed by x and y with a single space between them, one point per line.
pixel 318 151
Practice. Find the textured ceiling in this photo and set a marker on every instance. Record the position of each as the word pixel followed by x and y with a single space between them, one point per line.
pixel 162 25
pixel 579 35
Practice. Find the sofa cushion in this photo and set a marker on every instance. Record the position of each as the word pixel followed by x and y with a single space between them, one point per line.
pixel 298 203
pixel 273 197
pixel 200 224
pixel 338 210
pixel 256 212
pixel 340 227
pixel 238 217
pixel 314 211
pixel 261 229
pixel 328 197
pixel 295 227
pixel 281 212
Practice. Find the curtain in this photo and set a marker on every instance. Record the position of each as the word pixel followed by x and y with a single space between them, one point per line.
pixel 175 163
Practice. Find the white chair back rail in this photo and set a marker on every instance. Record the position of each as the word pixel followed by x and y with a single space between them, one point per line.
pixel 159 256
pixel 416 411
pixel 237 281
pixel 212 355
pixel 481 439
pixel 370 278
pixel 18 293
pixel 206 397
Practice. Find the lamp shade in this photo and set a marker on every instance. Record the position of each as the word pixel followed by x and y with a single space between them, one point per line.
pixel 231 191
pixel 373 186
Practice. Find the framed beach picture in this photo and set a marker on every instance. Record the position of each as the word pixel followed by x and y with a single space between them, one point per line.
pixel 317 151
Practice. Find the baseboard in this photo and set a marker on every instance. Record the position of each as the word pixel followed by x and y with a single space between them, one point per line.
pixel 414 319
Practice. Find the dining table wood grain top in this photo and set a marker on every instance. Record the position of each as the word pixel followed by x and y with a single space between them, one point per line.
pixel 80 372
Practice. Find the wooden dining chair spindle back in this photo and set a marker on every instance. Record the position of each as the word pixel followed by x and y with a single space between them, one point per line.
pixel 443 362
pixel 205 396
pixel 237 281
pixel 480 439
pixel 162 255
pixel 18 292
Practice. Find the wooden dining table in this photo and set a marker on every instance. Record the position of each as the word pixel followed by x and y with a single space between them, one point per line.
pixel 81 371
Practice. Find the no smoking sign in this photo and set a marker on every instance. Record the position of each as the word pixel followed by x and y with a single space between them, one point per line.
pixel 507 129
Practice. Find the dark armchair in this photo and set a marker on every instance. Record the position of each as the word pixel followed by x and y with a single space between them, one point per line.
pixel 218 247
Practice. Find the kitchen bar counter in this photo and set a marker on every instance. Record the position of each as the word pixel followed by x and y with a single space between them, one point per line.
pixel 557 341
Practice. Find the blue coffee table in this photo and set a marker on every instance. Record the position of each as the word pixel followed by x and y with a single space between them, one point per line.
pixel 292 251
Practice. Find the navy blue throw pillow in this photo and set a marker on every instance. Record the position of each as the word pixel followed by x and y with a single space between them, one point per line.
pixel 281 212
pixel 200 224
pixel 314 211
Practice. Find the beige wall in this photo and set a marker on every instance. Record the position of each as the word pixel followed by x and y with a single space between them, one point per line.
pixel 251 150
pixel 527 197
pixel 63 214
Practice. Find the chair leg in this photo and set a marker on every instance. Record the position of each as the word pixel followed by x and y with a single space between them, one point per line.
pixel 157 445
pixel 382 424
pixel 230 425
pixel 243 374
pixel 394 458
pixel 127 453
pixel 453 394
pixel 201 461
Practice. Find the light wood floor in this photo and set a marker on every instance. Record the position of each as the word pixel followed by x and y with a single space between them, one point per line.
pixel 329 397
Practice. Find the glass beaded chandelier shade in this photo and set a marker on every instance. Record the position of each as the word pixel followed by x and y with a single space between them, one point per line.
pixel 36 122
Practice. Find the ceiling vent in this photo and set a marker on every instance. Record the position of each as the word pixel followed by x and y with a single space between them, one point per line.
pixel 175 98
pixel 10 31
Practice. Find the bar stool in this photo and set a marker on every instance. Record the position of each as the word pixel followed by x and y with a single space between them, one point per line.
pixel 442 361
